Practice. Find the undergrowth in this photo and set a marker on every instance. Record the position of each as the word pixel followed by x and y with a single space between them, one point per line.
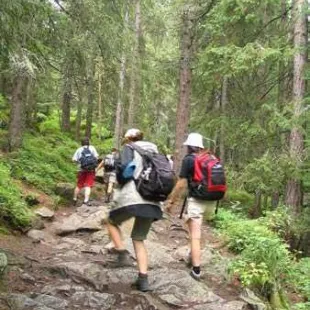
pixel 264 262
pixel 13 209
pixel 43 161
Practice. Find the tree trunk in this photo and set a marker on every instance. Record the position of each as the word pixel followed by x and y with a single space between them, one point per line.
pixel 296 143
pixel 67 97
pixel 78 119
pixel 16 114
pixel 120 95
pixel 275 200
pixel 90 104
pixel 224 102
pixel 257 209
pixel 134 99
pixel 30 105
pixel 99 103
pixel 183 108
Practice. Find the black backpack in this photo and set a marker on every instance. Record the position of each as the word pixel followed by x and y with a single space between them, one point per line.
pixel 157 179
pixel 109 163
pixel 88 161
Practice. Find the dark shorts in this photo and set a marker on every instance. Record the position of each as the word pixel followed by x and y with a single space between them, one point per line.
pixel 141 225
pixel 85 179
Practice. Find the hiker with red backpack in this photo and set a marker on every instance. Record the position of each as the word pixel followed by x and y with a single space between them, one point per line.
pixel 202 175
pixel 86 157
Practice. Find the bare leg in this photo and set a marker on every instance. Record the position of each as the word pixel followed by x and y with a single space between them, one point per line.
pixel 87 193
pixel 141 254
pixel 116 236
pixel 76 193
pixel 194 226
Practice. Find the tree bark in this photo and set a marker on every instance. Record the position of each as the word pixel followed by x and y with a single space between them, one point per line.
pixel 67 97
pixel 99 103
pixel 296 141
pixel 90 105
pixel 120 95
pixel 224 102
pixel 134 99
pixel 78 118
pixel 183 108
pixel 16 114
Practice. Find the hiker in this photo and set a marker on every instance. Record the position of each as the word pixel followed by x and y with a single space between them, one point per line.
pixel 109 176
pixel 87 158
pixel 197 208
pixel 129 203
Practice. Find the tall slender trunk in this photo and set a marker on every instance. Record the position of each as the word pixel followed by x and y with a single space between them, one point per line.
pixel 16 114
pixel 79 104
pixel 99 104
pixel 90 104
pixel 134 99
pixel 224 102
pixel 183 108
pixel 67 97
pixel 296 143
pixel 120 95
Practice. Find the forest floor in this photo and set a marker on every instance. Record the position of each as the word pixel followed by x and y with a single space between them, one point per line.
pixel 67 265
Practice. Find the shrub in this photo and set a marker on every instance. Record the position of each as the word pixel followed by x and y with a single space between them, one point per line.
pixel 13 210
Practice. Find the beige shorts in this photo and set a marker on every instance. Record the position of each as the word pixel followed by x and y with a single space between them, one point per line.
pixel 199 209
pixel 109 177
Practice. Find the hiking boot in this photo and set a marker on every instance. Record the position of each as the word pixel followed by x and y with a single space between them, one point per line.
pixel 142 283
pixel 195 276
pixel 74 202
pixel 87 203
pixel 123 259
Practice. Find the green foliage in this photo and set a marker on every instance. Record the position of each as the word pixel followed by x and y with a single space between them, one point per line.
pixel 301 281
pixel 13 210
pixel 264 262
pixel 44 161
pixel 238 199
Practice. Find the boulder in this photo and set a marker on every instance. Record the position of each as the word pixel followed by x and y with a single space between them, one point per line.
pixel 88 219
pixel 44 212
pixel 3 262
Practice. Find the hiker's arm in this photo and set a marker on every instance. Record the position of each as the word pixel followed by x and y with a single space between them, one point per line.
pixel 177 195
pixel 100 165
pixel 181 188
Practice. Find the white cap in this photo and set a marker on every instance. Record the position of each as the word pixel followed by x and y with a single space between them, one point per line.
pixel 133 132
pixel 194 139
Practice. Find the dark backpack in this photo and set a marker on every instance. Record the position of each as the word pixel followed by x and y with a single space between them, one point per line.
pixel 109 163
pixel 156 180
pixel 209 182
pixel 88 161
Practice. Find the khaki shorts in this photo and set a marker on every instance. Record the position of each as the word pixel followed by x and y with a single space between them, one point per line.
pixel 109 177
pixel 199 209
pixel 140 228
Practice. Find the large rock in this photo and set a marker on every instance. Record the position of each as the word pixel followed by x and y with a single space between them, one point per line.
pixel 40 235
pixel 39 302
pixel 3 262
pixel 90 218
pixel 44 212
pixel 65 190
pixel 93 300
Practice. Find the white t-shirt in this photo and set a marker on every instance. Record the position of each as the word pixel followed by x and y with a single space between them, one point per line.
pixel 78 153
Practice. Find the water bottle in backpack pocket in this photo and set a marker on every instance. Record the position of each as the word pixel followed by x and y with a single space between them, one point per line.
pixel 209 181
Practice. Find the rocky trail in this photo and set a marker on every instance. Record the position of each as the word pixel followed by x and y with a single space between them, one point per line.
pixel 67 265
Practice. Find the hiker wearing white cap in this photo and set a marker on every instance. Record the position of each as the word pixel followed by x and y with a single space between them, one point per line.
pixel 128 203
pixel 195 208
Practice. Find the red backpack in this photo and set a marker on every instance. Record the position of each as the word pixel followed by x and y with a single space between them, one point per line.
pixel 209 182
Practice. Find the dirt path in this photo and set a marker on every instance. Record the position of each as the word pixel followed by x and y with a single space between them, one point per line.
pixel 66 266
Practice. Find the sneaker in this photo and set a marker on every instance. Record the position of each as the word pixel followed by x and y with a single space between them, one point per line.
pixel 142 284
pixel 195 276
pixel 87 203
pixel 74 202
